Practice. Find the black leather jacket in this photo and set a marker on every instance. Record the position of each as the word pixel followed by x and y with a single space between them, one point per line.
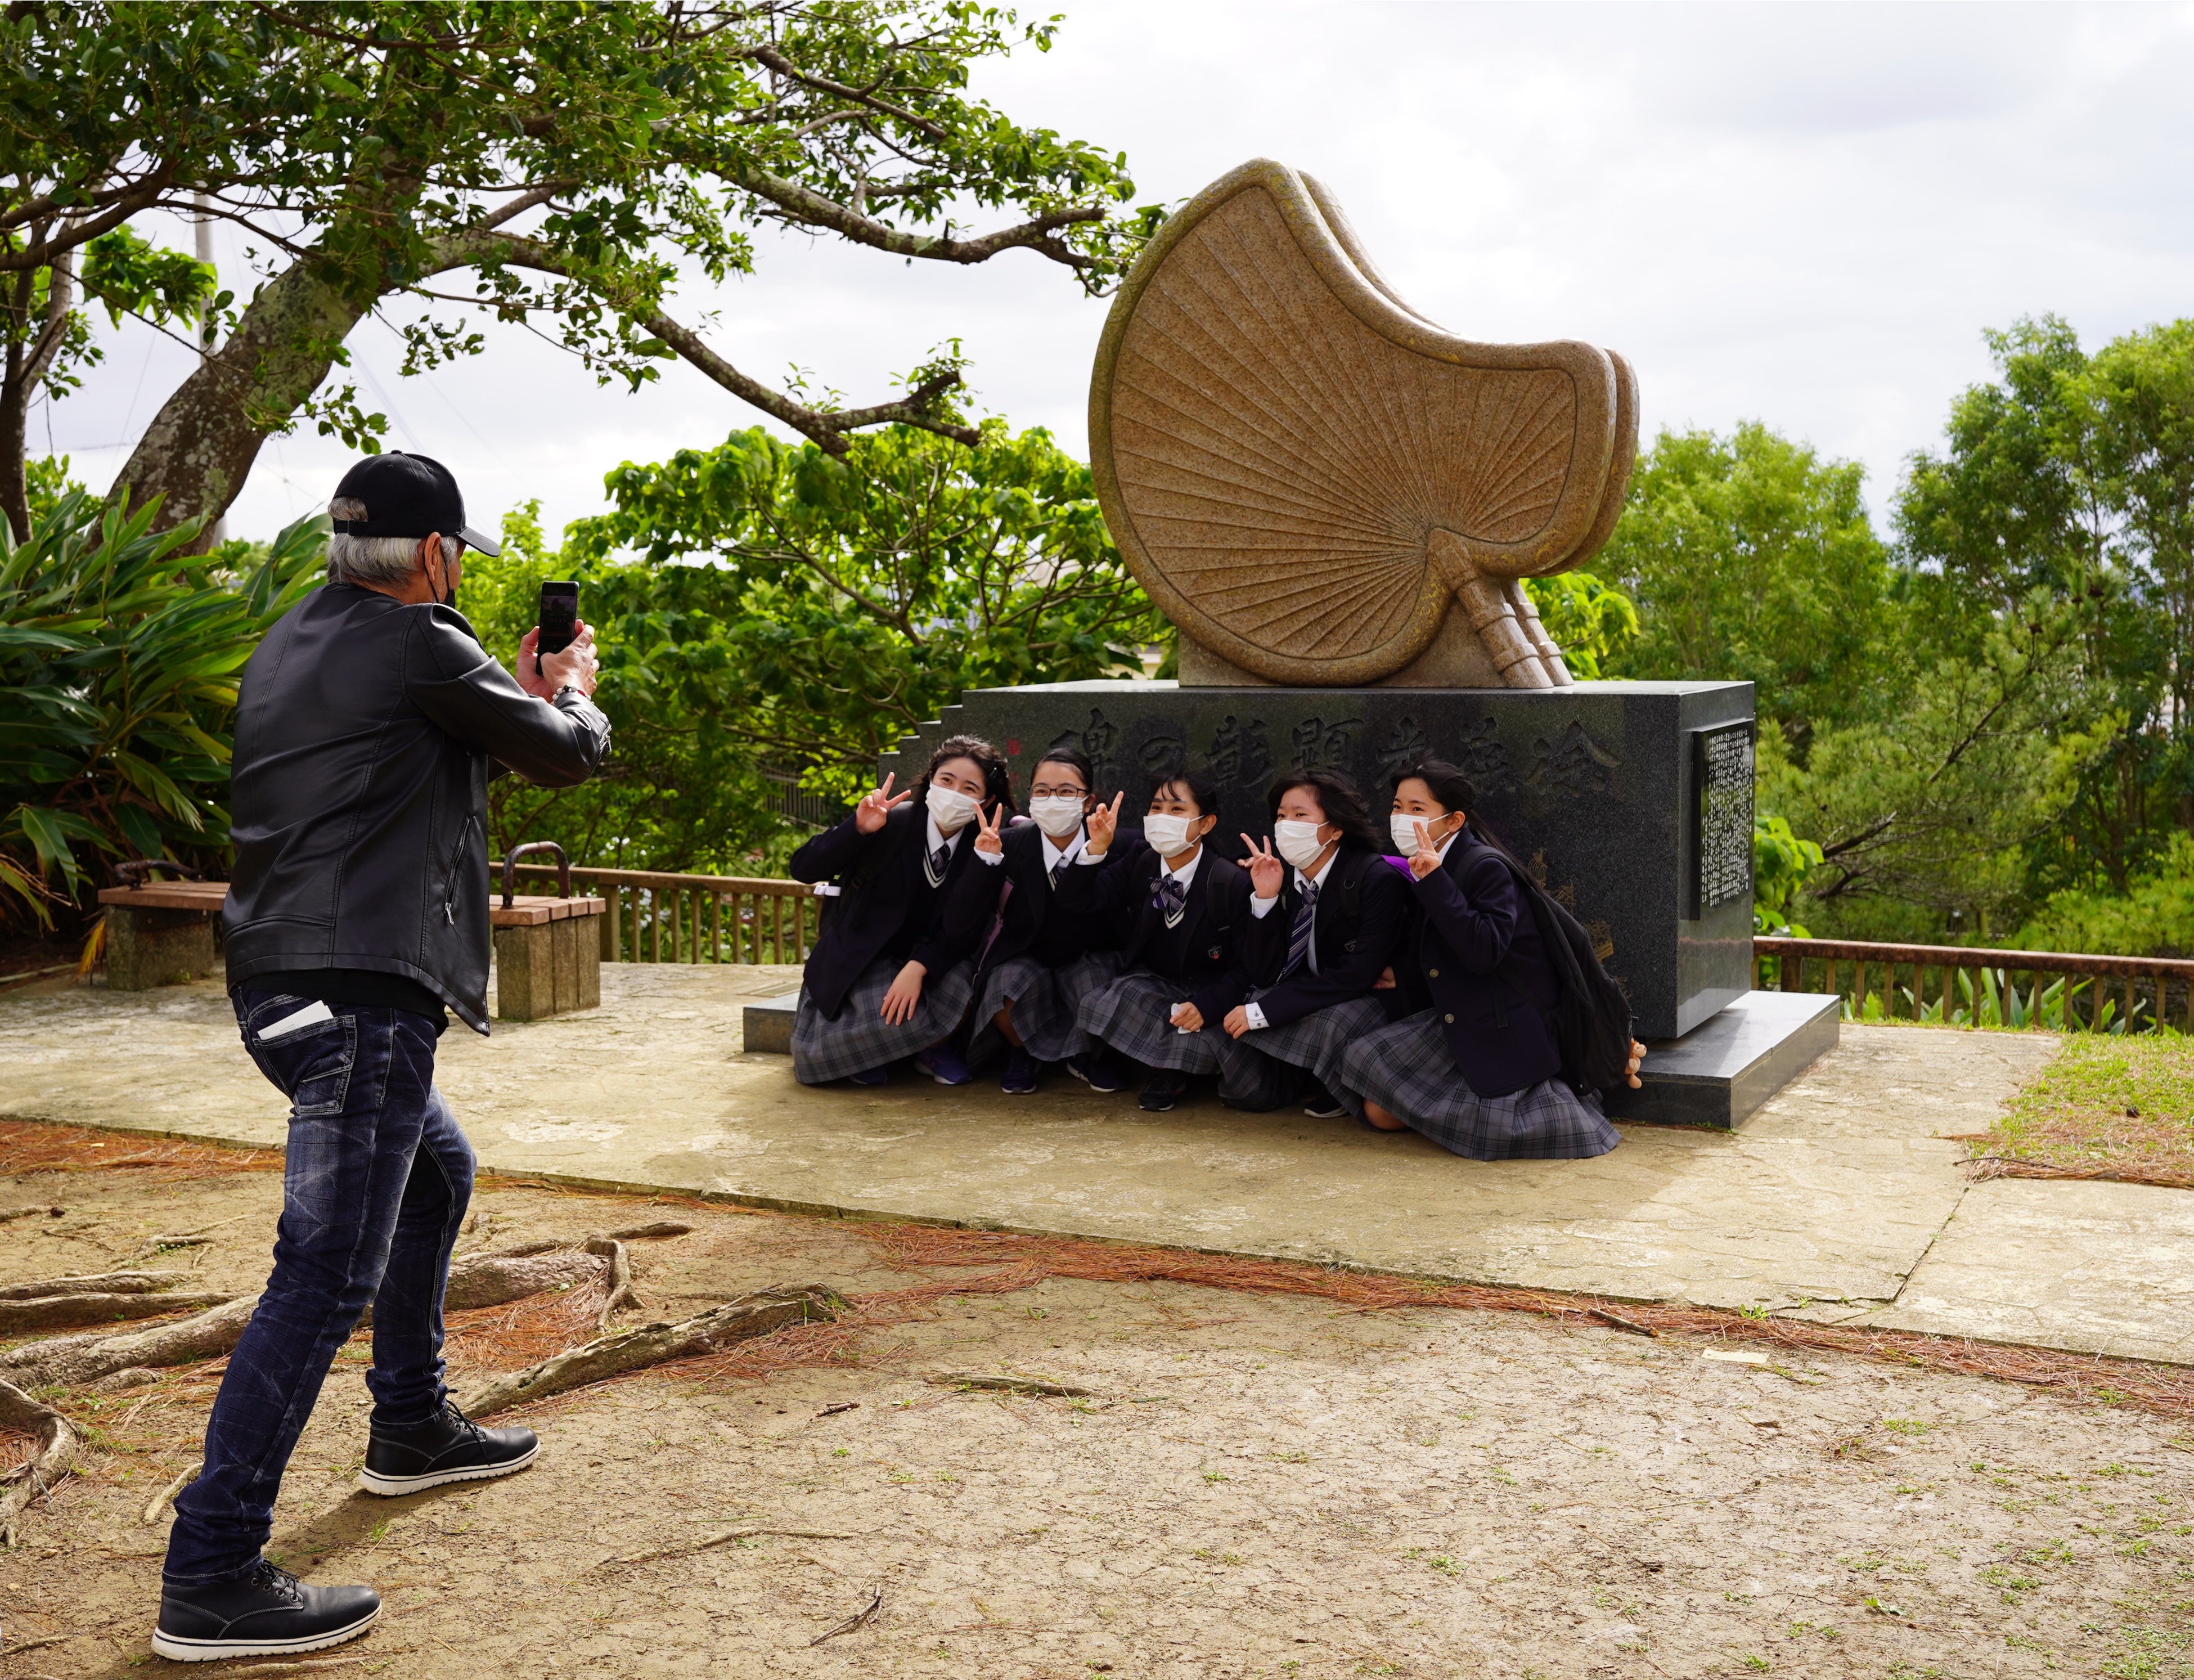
pixel 365 735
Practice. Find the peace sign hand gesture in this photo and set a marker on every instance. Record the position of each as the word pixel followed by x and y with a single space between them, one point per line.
pixel 869 816
pixel 1103 823
pixel 986 833
pixel 1267 874
pixel 1426 858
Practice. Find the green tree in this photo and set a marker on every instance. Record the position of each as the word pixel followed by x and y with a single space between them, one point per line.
pixel 574 159
pixel 1752 558
pixel 2069 482
pixel 790 610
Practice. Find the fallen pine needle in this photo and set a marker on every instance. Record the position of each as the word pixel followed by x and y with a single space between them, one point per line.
pixel 1029 1385
pixel 1621 1322
pixel 722 1539
pixel 860 1618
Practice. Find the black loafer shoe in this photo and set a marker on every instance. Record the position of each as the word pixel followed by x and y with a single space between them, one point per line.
pixel 450 1449
pixel 268 1613
pixel 1164 1091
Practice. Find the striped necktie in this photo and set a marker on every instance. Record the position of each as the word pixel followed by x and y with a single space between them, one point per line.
pixel 939 861
pixel 1305 923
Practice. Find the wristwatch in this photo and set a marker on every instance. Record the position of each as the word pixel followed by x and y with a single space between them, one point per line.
pixel 569 689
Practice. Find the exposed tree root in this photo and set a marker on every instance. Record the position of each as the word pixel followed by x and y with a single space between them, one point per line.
pixel 56 1453
pixel 620 1291
pixel 51 1311
pixel 101 1283
pixel 158 1504
pixel 491 1280
pixel 69 1362
pixel 750 1316
pixel 477 1280
pixel 36 1209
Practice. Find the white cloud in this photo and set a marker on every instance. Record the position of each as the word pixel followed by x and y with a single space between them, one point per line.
pixel 1801 214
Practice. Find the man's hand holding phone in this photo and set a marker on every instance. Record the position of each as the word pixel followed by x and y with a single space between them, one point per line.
pixel 575 667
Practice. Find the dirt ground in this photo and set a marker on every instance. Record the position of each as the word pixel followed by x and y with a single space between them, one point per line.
pixel 1254 1485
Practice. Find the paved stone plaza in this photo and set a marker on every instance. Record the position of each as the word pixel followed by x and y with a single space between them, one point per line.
pixel 1841 1198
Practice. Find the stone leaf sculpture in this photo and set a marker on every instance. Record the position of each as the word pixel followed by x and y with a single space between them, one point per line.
pixel 1307 474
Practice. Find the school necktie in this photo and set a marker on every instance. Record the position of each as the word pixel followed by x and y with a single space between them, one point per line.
pixel 1169 896
pixel 1060 869
pixel 1298 936
pixel 938 859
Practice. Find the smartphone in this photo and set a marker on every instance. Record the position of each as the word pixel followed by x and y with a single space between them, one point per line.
pixel 559 620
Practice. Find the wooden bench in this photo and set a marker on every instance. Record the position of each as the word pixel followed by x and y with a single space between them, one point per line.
pixel 160 933
pixel 548 953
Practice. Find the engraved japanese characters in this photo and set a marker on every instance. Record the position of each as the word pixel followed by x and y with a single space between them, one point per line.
pixel 1308 476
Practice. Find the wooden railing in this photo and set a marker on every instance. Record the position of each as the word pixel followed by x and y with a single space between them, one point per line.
pixel 1977 987
pixel 659 918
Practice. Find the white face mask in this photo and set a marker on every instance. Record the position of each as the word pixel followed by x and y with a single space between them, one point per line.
pixel 951 810
pixel 1404 831
pixel 1298 842
pixel 1168 835
pixel 1058 815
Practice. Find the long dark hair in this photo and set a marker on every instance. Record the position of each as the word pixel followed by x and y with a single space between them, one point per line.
pixel 991 761
pixel 1449 784
pixel 1338 798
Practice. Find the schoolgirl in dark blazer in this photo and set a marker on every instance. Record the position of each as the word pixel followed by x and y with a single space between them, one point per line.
pixel 1477 1070
pixel 1182 913
pixel 890 976
pixel 1037 957
pixel 1321 946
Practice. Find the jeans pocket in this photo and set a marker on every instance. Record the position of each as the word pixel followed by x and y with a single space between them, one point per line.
pixel 311 1067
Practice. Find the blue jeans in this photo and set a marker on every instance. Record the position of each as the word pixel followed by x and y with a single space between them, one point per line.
pixel 373 1184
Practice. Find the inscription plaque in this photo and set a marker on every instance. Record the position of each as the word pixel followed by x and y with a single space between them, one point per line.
pixel 1722 765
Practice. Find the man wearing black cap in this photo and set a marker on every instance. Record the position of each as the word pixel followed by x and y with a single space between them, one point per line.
pixel 369 722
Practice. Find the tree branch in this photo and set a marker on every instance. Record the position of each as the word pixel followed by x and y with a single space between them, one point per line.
pixel 811 209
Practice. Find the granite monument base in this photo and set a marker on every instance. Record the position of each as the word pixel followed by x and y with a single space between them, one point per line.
pixel 1630 802
pixel 1720 1073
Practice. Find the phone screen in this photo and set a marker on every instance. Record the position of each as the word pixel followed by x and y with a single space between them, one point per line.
pixel 559 620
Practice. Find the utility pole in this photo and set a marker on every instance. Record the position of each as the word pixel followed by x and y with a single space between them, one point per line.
pixel 219 533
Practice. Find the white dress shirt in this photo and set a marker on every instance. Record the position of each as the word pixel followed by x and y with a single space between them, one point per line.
pixel 1262 907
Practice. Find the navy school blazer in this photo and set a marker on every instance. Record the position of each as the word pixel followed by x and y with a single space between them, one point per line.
pixel 1037 924
pixel 889 907
pixel 1352 951
pixel 1480 959
pixel 1205 950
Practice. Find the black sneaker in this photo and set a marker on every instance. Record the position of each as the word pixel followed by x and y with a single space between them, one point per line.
pixel 268 1613
pixel 1024 1072
pixel 1321 1105
pixel 1096 1070
pixel 451 1448
pixel 1164 1091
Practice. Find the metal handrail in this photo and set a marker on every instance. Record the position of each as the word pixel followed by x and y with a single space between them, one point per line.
pixel 563 866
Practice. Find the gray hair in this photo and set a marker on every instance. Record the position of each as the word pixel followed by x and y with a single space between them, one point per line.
pixel 374 560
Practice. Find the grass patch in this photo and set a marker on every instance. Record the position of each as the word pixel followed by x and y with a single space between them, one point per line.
pixel 2106 1106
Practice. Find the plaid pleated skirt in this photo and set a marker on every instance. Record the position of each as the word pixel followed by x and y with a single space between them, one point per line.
pixel 1317 1042
pixel 1047 1005
pixel 1133 1014
pixel 1408 1070
pixel 857 1038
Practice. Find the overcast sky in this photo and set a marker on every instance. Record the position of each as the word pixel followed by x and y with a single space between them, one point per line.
pixel 1804 214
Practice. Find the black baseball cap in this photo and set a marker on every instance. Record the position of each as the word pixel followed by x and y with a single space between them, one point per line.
pixel 408 496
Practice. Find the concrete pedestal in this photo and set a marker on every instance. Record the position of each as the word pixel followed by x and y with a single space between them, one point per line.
pixel 161 934
pixel 766 1026
pixel 548 956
